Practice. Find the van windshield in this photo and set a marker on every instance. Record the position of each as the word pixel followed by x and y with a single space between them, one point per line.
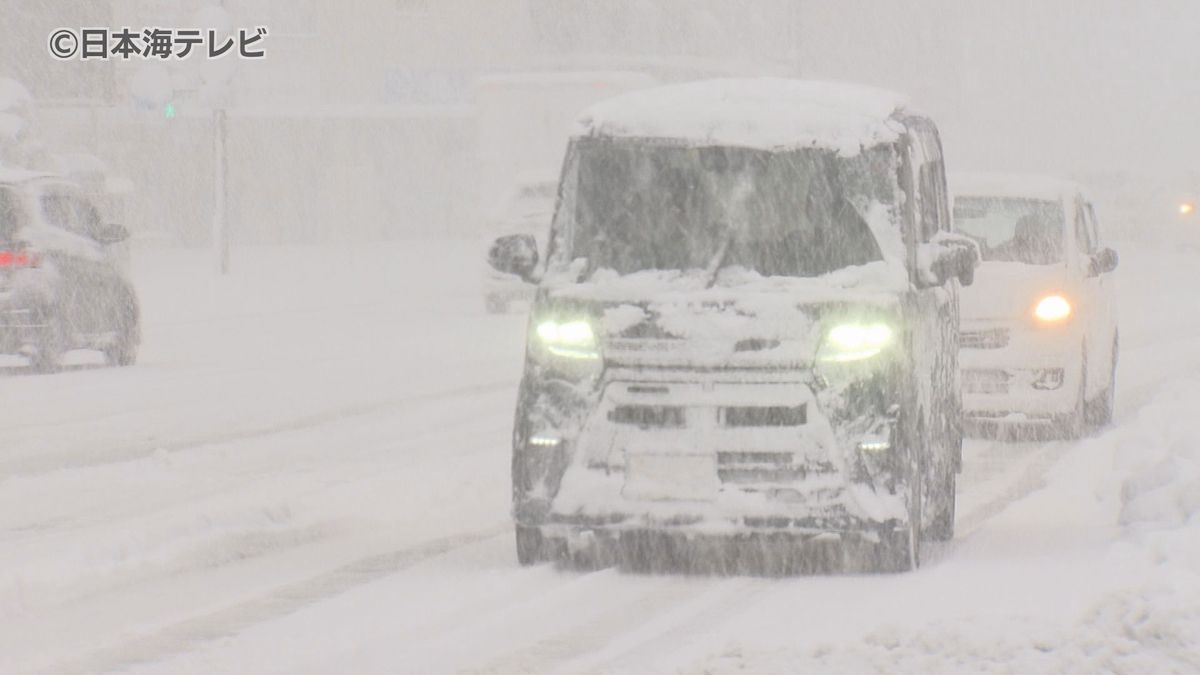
pixel 644 205
pixel 1011 229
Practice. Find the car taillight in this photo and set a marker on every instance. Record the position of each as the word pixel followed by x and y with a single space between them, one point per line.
pixel 19 259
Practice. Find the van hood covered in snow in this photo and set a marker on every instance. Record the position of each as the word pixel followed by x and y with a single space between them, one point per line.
pixel 1009 290
pixel 744 320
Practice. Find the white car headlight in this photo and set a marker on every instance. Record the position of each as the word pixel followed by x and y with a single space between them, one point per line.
pixel 1052 309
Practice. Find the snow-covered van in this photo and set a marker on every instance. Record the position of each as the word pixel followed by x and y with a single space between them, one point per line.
pixel 1039 326
pixel 745 330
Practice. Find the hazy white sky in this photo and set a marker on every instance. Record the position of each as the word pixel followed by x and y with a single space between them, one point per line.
pixel 1055 85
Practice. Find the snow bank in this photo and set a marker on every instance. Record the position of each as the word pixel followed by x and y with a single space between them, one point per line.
pixel 765 113
pixel 1124 633
pixel 1107 555
pixel 1163 488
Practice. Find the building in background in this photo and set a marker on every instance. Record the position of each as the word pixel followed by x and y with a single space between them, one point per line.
pixel 365 121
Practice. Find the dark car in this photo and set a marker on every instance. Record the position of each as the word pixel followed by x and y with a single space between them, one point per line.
pixel 63 280
pixel 746 330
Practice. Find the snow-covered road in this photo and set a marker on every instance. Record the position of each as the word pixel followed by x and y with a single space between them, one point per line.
pixel 308 472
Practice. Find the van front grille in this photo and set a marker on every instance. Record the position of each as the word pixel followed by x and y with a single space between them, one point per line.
pixel 758 467
pixel 764 416
pixel 648 416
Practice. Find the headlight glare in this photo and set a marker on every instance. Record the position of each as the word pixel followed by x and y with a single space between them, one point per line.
pixel 1052 309
pixel 855 341
pixel 570 339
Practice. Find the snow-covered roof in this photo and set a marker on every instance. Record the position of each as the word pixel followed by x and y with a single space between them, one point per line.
pixel 78 162
pixel 1028 186
pixel 552 78
pixel 767 113
pixel 13 94
pixel 10 174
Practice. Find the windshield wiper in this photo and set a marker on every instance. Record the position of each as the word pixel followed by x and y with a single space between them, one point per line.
pixel 718 260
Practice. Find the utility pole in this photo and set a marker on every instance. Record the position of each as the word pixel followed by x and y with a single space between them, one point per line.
pixel 218 89
pixel 794 37
pixel 221 192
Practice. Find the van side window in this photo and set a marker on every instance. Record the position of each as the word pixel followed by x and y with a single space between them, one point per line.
pixel 932 188
pixel 1083 237
pixel 931 185
pixel 87 218
pixel 71 213
pixel 1093 224
pixel 57 211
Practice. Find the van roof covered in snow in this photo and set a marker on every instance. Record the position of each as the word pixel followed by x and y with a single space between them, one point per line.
pixel 1029 186
pixel 767 113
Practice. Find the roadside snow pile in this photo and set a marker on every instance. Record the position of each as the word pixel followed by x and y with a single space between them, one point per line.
pixel 1137 561
pixel 1163 490
pixel 1130 632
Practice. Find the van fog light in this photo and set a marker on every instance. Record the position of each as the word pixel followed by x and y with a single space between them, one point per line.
pixel 545 441
pixel 1048 380
pixel 874 445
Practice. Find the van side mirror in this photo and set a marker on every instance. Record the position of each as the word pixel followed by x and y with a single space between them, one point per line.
pixel 1103 262
pixel 950 256
pixel 514 254
pixel 110 233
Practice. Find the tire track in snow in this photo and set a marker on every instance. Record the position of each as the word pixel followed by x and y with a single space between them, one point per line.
pixel 214 552
pixel 136 506
pixel 1031 478
pixel 41 464
pixel 611 641
pixel 661 605
pixel 232 620
pixel 671 627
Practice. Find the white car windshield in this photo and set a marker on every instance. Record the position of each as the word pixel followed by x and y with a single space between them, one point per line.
pixel 1012 229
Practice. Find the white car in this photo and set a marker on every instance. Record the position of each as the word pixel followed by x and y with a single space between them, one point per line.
pixel 1039 338
pixel 527 209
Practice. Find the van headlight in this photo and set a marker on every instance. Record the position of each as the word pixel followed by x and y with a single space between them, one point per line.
pixel 573 339
pixel 851 342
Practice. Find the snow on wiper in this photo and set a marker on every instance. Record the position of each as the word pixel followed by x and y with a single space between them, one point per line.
pixel 718 260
